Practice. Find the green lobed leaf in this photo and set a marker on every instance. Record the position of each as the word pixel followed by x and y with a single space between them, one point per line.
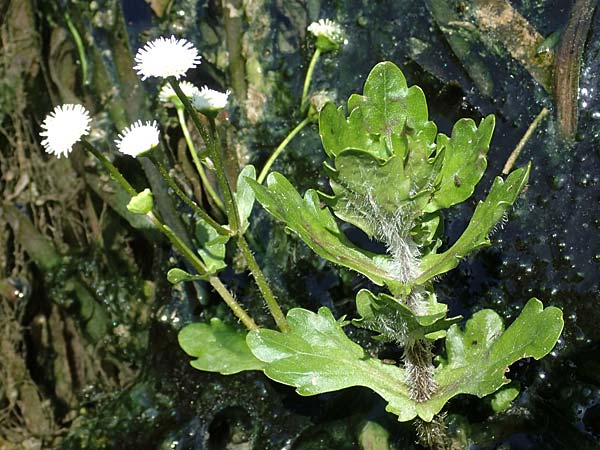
pixel 244 196
pixel 396 322
pixel 317 227
pixel 316 356
pixel 217 347
pixel 478 357
pixel 377 119
pixel 487 214
pixel 464 162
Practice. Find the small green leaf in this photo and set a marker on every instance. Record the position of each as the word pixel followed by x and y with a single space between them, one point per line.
pixel 212 246
pixel 244 196
pixel 176 276
pixel 487 214
pixel 501 400
pixel 217 347
pixel 464 162
pixel 396 322
pixel 317 227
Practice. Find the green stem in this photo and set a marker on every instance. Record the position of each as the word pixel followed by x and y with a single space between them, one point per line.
pixel 215 154
pixel 179 245
pixel 217 158
pixel 191 111
pixel 188 201
pixel 265 171
pixel 263 286
pixel 114 172
pixel 199 168
pixel 214 281
pixel 308 78
pixel 80 48
pixel 232 303
pixel 196 263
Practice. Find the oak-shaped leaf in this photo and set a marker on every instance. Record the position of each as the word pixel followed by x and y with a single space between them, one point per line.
pixel 316 356
pixel 478 357
pixel 380 119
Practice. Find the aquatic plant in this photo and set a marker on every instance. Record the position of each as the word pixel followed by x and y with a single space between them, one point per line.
pixel 391 175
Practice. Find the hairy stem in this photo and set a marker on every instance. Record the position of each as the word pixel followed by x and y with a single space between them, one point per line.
pixel 432 435
pixel 239 312
pixel 419 370
pixel 188 201
pixel 199 168
pixel 110 167
pixel 280 148
pixel 192 112
pixel 214 281
pixel 264 287
pixel 214 149
pixel 217 158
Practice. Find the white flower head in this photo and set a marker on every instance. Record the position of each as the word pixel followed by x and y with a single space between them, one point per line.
pixel 209 101
pixel 138 138
pixel 167 93
pixel 63 127
pixel 330 35
pixel 164 58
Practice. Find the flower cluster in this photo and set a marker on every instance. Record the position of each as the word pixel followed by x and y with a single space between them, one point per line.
pixel 162 57
pixel 329 35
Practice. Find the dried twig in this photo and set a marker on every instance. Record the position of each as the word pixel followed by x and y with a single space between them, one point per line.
pixel 517 151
